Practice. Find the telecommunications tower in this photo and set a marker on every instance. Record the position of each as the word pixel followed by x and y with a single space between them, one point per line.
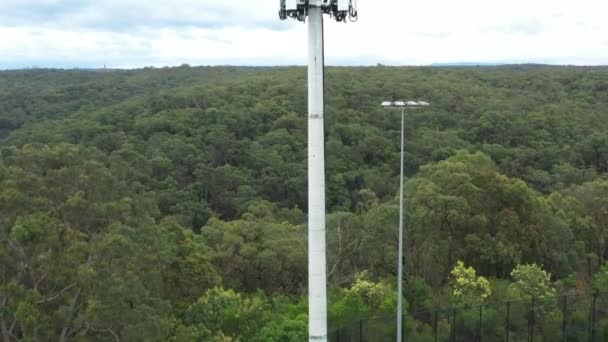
pixel 340 10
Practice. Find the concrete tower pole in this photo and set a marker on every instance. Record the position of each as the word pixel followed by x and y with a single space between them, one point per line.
pixel 313 10
pixel 317 272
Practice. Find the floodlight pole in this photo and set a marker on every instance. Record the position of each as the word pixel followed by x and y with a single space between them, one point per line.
pixel 317 281
pixel 403 105
pixel 400 254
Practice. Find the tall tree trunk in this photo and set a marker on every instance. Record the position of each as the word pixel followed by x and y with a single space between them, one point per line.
pixel 6 335
pixel 66 328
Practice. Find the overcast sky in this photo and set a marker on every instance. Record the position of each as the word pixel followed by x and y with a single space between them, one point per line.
pixel 138 33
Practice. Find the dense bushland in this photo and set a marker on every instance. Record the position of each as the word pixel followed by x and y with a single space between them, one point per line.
pixel 170 203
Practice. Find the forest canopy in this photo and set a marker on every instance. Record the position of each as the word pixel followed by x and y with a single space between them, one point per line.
pixel 170 204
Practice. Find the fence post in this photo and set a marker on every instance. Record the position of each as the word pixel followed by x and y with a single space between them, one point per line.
pixel 435 326
pixel 564 309
pixel 593 317
pixel 338 335
pixel 508 319
pixel 531 322
pixel 454 324
pixel 403 327
pixel 360 330
pixel 479 326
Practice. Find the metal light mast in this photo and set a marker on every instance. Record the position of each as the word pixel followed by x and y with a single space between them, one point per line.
pixel 317 269
pixel 403 105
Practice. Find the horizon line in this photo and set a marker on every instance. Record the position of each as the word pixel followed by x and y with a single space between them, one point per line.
pixel 435 64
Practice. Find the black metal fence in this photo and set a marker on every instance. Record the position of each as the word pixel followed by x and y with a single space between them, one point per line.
pixel 565 318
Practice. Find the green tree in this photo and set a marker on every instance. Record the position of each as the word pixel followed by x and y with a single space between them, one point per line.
pixel 467 287
pixel 191 273
pixel 600 280
pixel 225 312
pixel 531 281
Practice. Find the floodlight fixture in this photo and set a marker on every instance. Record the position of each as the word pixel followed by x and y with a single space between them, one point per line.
pixel 404 104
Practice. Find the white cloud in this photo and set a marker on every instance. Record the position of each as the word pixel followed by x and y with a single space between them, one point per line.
pixel 135 33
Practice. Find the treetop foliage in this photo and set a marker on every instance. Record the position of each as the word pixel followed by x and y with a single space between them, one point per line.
pixel 170 204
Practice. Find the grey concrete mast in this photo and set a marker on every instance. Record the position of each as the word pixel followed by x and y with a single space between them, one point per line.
pixel 317 300
pixel 317 265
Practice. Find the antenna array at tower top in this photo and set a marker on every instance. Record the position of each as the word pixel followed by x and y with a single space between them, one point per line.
pixel 340 10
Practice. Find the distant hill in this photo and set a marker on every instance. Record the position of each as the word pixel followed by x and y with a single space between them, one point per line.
pixel 467 64
pixel 504 64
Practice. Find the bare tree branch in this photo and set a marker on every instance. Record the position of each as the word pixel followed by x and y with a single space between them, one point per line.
pixel 108 331
pixel 52 298
pixel 37 283
pixel 196 103
pixel 66 328
pixel 16 248
pixel 6 335
pixel 333 269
